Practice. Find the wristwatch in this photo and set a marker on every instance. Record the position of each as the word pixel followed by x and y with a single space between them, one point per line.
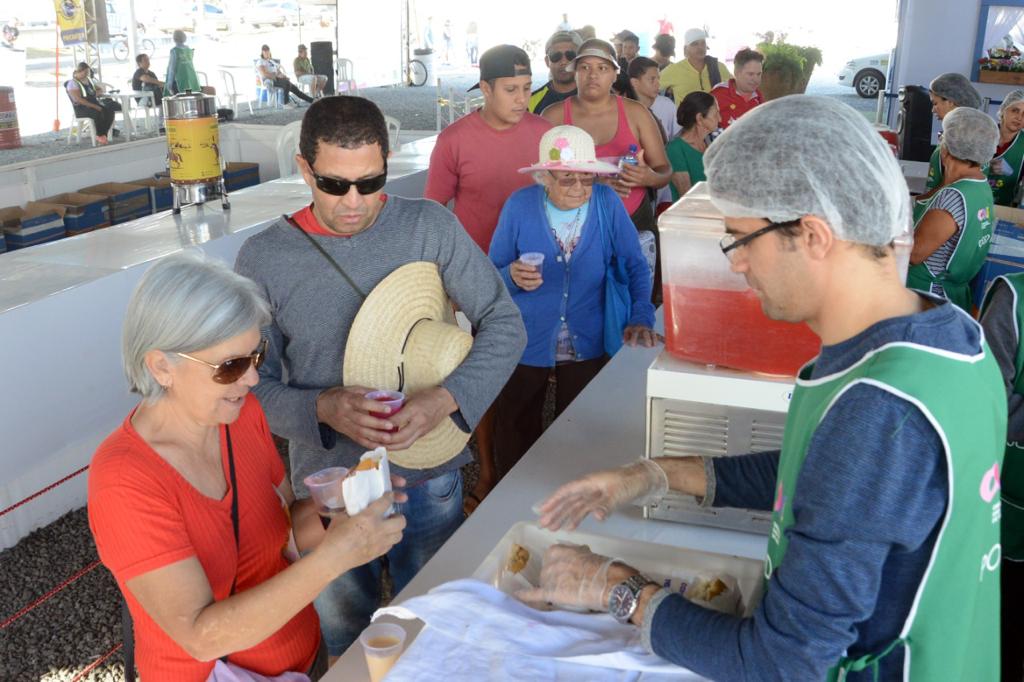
pixel 625 597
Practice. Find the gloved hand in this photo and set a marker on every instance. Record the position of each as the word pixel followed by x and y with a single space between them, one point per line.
pixel 571 576
pixel 642 482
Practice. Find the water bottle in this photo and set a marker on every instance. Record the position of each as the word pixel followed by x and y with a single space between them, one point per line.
pixel 630 158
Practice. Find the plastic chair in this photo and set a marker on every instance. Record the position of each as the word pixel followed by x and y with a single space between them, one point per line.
pixel 394 129
pixel 82 125
pixel 287 148
pixel 144 104
pixel 346 77
pixel 228 94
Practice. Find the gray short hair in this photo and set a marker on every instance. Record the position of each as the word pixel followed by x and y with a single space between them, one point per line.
pixel 179 37
pixel 183 304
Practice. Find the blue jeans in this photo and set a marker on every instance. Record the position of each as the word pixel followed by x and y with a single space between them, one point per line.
pixel 432 514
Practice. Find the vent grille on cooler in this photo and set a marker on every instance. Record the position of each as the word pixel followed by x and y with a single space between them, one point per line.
pixel 765 436
pixel 686 433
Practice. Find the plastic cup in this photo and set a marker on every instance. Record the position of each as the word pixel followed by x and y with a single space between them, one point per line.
pixel 393 399
pixel 534 258
pixel 382 645
pixel 325 489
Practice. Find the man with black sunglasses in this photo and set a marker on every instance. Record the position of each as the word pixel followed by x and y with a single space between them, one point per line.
pixel 316 267
pixel 559 52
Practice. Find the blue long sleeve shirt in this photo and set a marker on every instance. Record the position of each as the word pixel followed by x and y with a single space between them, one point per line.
pixel 573 289
pixel 869 501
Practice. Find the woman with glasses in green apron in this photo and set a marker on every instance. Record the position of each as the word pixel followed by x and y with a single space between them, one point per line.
pixel 1005 170
pixel 953 227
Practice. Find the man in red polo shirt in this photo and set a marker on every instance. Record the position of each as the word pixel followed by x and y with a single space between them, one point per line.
pixel 741 93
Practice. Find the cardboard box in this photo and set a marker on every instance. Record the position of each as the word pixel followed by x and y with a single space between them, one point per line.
pixel 240 174
pixel 3 242
pixel 85 212
pixel 160 196
pixel 1006 253
pixel 127 202
pixel 36 223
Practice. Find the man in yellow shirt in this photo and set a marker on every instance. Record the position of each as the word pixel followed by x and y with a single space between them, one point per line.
pixel 697 71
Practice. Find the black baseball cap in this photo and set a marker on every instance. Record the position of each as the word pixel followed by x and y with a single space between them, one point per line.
pixel 503 61
pixel 627 37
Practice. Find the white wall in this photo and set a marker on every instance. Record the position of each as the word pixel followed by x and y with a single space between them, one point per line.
pixel 935 37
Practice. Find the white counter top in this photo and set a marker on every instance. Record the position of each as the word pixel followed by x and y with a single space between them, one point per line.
pixel 604 427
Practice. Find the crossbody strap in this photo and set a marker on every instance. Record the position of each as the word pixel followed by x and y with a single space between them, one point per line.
pixel 326 255
pixel 234 506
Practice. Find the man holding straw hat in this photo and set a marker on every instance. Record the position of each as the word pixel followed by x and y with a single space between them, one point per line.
pixel 362 286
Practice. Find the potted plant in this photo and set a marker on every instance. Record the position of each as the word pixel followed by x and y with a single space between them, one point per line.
pixel 787 67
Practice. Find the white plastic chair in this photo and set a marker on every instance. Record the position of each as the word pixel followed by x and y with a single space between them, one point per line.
pixel 144 105
pixel 80 126
pixel 228 94
pixel 203 80
pixel 345 77
pixel 394 129
pixel 287 148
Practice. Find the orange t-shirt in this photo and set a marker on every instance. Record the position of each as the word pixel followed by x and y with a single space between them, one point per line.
pixel 144 515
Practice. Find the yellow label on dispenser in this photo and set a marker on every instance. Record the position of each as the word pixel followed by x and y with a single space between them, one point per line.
pixel 193 154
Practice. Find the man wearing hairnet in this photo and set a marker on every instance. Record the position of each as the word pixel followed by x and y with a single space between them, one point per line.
pixel 870 570
pixel 948 91
pixel 1004 173
pixel 953 227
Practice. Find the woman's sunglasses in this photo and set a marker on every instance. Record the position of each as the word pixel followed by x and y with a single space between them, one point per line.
pixel 570 179
pixel 339 188
pixel 232 369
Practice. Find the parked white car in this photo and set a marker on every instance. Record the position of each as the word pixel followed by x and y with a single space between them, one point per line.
pixel 866 75
pixel 275 13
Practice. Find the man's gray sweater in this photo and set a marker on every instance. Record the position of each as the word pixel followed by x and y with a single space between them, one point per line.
pixel 313 308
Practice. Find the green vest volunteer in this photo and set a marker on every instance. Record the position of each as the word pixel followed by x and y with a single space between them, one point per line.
pixel 1004 172
pixel 942 643
pixel 934 170
pixel 1013 467
pixel 971 248
pixel 181 73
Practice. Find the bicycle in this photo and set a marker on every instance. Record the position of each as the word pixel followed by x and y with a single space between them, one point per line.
pixel 120 48
pixel 416 73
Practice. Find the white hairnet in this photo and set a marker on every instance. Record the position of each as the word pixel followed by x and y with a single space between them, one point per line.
pixel 1011 99
pixel 803 155
pixel 970 135
pixel 957 89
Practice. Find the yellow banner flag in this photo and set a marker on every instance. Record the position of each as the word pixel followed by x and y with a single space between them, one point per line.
pixel 71 19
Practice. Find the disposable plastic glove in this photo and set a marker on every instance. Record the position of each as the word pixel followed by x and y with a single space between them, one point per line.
pixel 642 482
pixel 572 576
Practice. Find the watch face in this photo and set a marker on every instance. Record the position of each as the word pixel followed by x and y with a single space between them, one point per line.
pixel 621 603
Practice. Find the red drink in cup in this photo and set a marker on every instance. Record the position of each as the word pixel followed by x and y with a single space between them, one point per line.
pixel 393 399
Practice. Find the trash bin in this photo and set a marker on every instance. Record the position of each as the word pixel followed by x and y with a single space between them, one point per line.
pixel 10 134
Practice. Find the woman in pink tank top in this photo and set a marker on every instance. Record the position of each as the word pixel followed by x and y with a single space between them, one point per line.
pixel 615 149
pixel 595 67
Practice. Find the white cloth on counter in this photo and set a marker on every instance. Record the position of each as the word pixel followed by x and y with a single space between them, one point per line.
pixel 474 631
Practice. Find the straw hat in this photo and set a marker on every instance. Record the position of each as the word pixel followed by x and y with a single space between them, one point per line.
pixel 405 338
pixel 569 148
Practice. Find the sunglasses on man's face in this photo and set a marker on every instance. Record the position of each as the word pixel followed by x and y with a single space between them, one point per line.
pixel 557 56
pixel 339 187
pixel 232 369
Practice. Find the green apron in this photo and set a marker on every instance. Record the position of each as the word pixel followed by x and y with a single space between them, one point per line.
pixel 1013 461
pixel 1004 177
pixel 934 171
pixel 952 630
pixel 184 73
pixel 971 249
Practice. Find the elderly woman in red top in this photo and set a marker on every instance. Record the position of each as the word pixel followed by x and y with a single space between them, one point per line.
pixel 188 498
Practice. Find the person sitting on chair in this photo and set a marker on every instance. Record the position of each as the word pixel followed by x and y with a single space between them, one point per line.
pixel 269 69
pixel 82 93
pixel 145 80
pixel 304 73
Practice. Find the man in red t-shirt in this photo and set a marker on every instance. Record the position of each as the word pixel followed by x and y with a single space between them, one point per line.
pixel 741 93
pixel 476 159
pixel 476 162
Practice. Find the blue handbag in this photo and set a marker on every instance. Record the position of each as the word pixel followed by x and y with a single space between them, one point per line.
pixel 617 301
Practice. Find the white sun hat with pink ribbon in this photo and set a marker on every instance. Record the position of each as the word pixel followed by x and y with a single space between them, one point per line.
pixel 568 148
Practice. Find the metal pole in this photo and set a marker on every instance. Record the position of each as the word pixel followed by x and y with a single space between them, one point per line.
pixel 133 38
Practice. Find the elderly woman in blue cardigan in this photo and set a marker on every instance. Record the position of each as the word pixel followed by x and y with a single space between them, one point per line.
pixel 552 246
